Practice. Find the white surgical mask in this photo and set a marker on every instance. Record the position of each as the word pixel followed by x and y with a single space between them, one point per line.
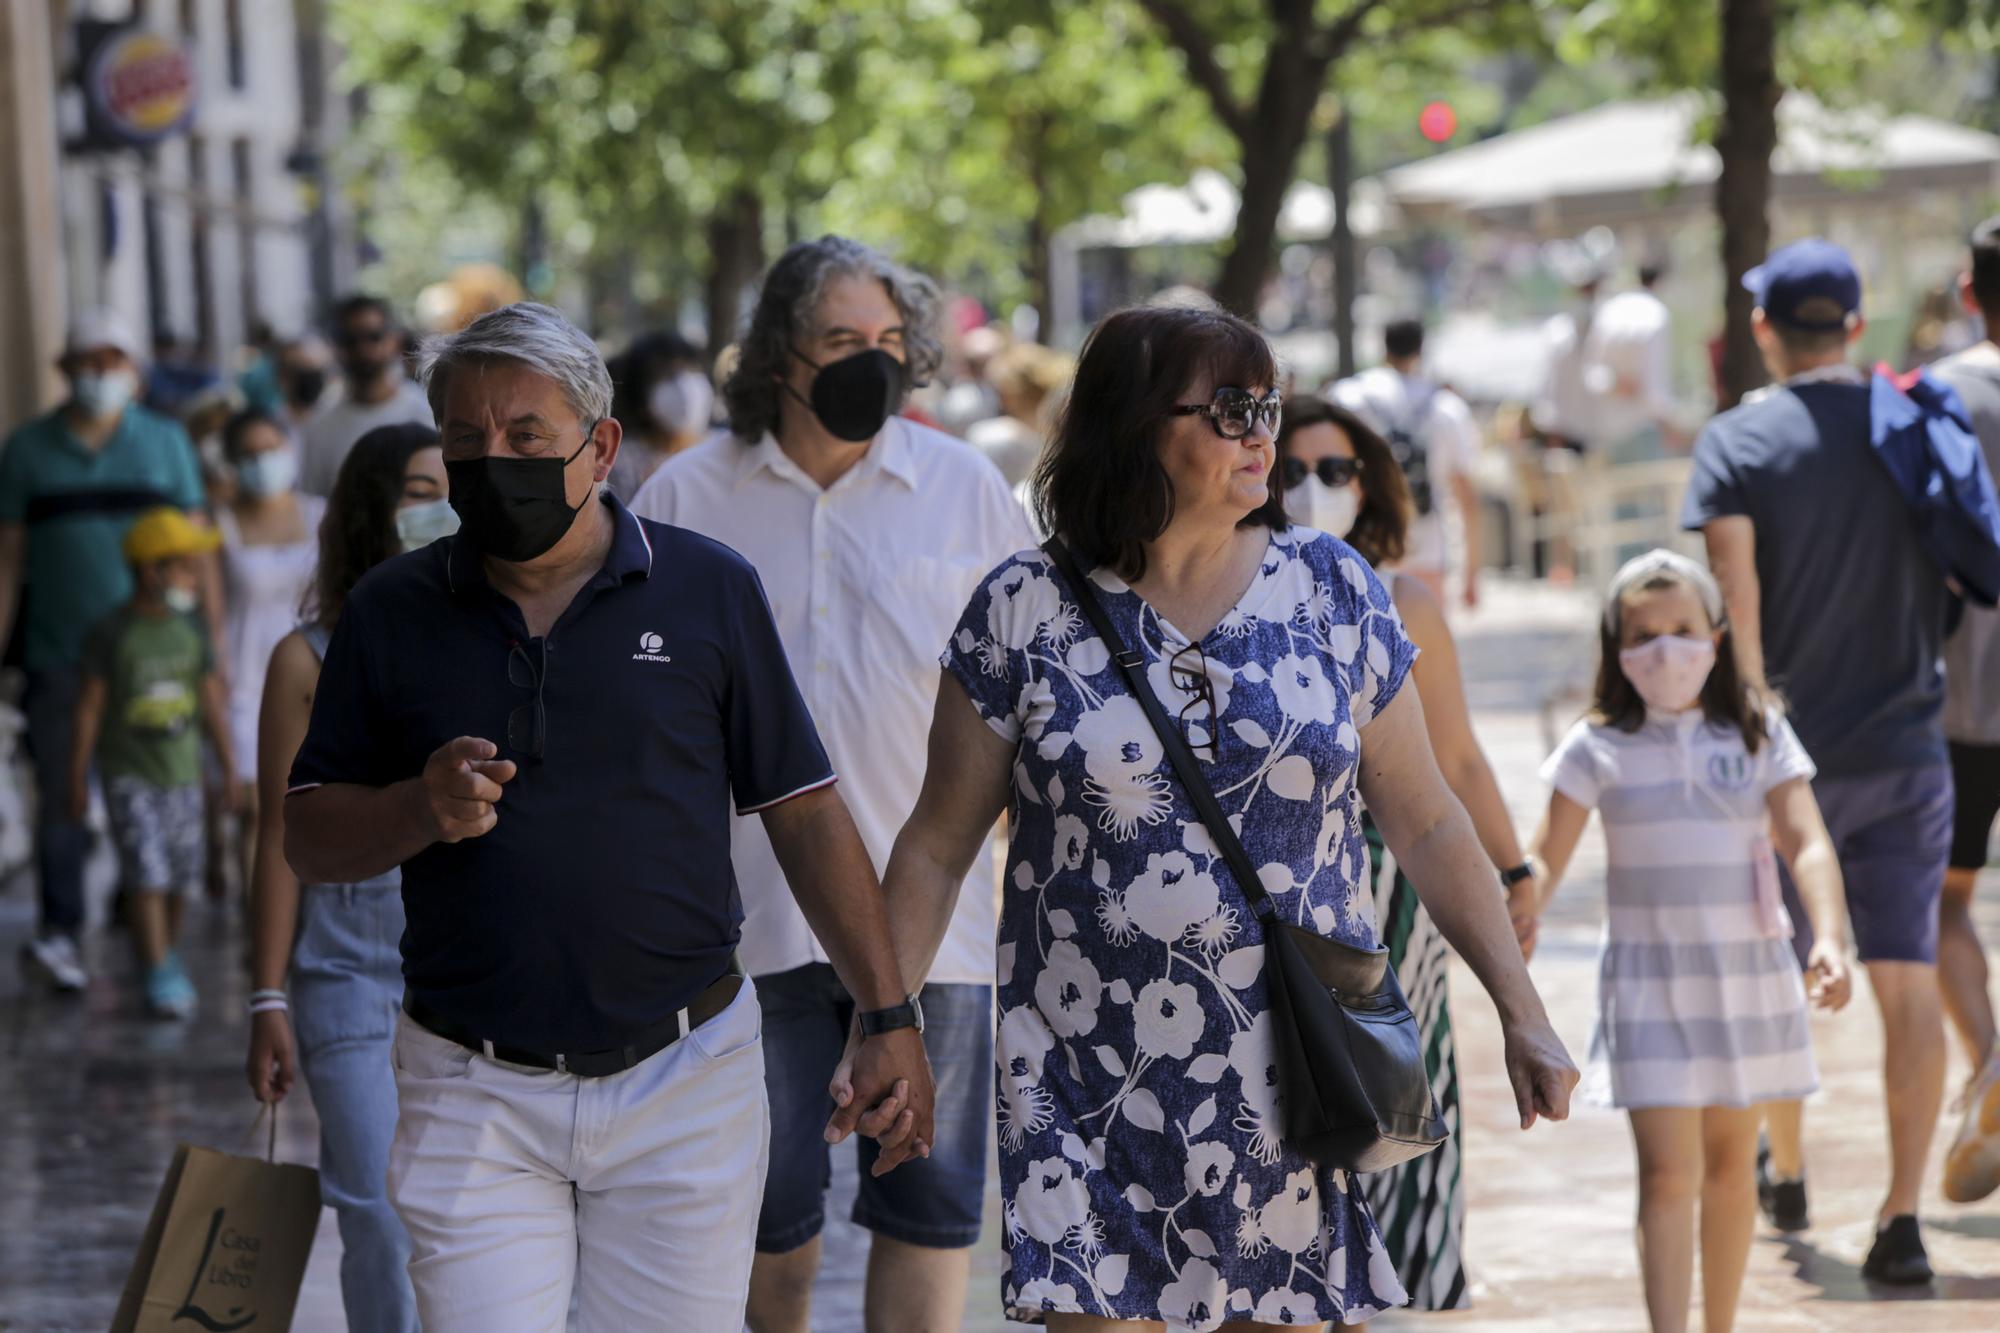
pixel 267 474
pixel 1331 509
pixel 417 526
pixel 681 404
pixel 105 395
pixel 182 601
pixel 1669 671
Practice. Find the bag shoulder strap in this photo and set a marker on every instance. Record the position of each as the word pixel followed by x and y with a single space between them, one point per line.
pixel 1131 664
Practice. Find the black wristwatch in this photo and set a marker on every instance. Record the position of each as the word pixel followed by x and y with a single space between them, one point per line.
pixel 1509 878
pixel 908 1014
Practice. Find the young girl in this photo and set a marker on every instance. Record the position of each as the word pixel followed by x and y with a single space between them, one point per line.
pixel 1702 1015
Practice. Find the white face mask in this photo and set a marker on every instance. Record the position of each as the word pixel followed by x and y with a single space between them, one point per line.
pixel 417 526
pixel 1331 509
pixel 681 404
pixel 182 601
pixel 105 395
pixel 267 474
pixel 1669 671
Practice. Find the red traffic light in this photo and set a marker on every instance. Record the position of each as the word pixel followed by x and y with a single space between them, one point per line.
pixel 1438 122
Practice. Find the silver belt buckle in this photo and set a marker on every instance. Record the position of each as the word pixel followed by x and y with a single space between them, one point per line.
pixel 562 1064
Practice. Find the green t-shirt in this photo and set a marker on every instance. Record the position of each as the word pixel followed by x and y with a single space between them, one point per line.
pixel 76 504
pixel 152 667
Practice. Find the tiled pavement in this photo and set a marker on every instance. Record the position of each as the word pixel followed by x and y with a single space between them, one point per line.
pixel 92 1101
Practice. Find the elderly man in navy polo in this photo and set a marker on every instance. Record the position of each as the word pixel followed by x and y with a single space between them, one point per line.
pixel 546 720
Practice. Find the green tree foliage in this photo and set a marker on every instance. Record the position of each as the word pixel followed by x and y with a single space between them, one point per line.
pixel 682 138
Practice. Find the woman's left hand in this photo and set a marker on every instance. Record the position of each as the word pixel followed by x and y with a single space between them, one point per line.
pixel 1539 1067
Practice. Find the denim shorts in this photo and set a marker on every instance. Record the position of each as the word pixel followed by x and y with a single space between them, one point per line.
pixel 1892 833
pixel 934 1202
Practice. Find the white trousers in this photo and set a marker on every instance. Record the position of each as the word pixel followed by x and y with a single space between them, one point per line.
pixel 637 1193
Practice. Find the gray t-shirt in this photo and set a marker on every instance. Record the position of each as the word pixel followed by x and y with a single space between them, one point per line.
pixel 1853 606
pixel 1972 654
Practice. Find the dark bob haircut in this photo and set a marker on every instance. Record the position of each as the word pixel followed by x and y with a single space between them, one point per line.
pixel 1100 486
pixel 1381 528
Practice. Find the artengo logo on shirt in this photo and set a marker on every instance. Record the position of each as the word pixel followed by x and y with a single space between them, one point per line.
pixel 649 649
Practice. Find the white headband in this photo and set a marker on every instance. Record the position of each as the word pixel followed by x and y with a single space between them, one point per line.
pixel 1671 563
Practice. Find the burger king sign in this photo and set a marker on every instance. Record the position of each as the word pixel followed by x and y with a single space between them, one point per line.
pixel 141 86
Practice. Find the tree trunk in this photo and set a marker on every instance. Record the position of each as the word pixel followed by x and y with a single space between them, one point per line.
pixel 735 258
pixel 1036 264
pixel 1276 131
pixel 1745 140
pixel 1346 277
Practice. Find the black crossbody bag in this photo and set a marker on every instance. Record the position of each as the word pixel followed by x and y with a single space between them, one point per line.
pixel 1350 1057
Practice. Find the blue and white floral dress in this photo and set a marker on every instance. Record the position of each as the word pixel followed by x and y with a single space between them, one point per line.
pixel 1140 1159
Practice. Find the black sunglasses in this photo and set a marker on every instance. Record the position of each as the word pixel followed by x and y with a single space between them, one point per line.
pixel 528 725
pixel 358 337
pixel 1234 412
pixel 1192 678
pixel 1335 472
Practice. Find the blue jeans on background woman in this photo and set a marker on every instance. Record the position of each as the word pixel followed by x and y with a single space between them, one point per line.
pixel 347 986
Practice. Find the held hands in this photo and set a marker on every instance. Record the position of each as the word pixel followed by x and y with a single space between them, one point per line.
pixel 273 1060
pixel 1541 1071
pixel 1829 983
pixel 1524 909
pixel 882 1089
pixel 460 786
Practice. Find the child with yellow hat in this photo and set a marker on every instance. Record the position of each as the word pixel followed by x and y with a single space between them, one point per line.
pixel 148 676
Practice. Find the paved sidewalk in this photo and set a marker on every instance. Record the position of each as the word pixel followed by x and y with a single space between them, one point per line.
pixel 92 1100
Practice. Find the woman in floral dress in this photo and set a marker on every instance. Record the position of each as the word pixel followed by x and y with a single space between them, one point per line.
pixel 1143 1168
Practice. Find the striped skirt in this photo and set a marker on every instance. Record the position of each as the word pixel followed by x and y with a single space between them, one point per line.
pixel 1420 1205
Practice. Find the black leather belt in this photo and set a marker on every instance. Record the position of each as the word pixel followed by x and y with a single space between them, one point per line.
pixel 587 1064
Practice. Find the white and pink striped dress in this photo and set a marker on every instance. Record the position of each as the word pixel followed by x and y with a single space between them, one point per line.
pixel 1700 1002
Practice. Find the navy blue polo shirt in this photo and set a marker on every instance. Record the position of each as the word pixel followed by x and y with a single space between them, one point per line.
pixel 603 899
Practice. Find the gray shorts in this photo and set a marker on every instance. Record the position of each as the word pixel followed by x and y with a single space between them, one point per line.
pixel 1892 833
pixel 158 831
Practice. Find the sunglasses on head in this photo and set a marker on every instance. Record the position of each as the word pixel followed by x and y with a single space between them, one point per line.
pixel 1335 472
pixel 1234 413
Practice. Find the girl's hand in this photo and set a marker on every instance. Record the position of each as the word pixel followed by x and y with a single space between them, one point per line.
pixel 273 1064
pixel 1524 909
pixel 1829 984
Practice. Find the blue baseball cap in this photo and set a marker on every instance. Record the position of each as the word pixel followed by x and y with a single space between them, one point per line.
pixel 1809 285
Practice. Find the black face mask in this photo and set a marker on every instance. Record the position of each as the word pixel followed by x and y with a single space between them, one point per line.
pixel 306 386
pixel 514 509
pixel 854 396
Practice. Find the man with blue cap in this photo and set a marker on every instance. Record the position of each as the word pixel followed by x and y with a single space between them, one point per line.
pixel 1841 611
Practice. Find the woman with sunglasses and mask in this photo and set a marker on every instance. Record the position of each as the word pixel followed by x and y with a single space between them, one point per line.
pixel 1143 1165
pixel 339 942
pixel 1339 476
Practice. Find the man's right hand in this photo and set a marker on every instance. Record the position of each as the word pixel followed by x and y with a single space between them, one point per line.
pixel 461 785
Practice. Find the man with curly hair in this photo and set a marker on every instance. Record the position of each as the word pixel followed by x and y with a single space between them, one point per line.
pixel 869 532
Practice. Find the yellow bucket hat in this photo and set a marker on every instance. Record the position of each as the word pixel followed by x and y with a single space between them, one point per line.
pixel 164 533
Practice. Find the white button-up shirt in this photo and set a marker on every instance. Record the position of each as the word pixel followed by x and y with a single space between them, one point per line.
pixel 867 579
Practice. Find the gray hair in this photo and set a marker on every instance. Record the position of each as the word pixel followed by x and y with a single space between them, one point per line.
pixel 534 335
pixel 788 306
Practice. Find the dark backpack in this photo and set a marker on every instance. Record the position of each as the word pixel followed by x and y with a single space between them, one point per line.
pixel 1924 437
pixel 1411 450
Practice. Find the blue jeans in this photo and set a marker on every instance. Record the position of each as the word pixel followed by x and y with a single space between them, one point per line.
pixel 347 984
pixel 61 843
pixel 934 1201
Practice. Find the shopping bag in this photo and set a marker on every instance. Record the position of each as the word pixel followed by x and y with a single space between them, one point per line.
pixel 226 1246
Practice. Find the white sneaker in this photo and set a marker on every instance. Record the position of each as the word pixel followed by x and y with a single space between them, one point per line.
pixel 55 962
pixel 1972 1167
